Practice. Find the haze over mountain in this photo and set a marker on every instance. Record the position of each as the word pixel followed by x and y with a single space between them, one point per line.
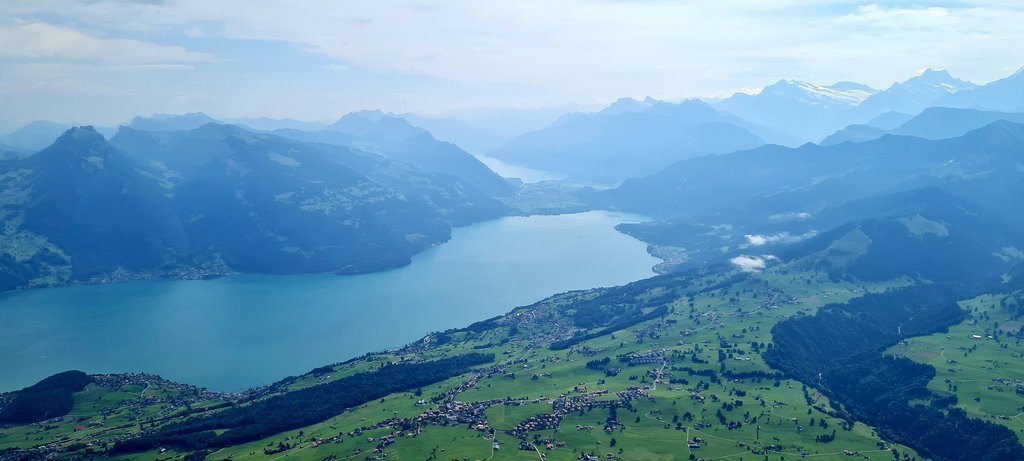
pixel 271 124
pixel 797 109
pixel 580 230
pixel 35 135
pixel 932 123
pixel 481 131
pixel 395 138
pixel 171 122
pixel 807 112
pixel 912 96
pixel 1006 94
pixel 628 138
pixel 726 204
pixel 213 200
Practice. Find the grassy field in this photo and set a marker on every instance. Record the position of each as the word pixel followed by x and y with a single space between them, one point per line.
pixel 980 361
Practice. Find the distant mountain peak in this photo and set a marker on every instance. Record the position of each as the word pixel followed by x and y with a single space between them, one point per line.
pixel 1004 130
pixel 189 116
pixel 371 115
pixel 625 105
pixel 931 71
pixel 225 129
pixel 937 78
pixel 851 86
pixel 185 115
pixel 847 93
pixel 172 122
pixel 85 134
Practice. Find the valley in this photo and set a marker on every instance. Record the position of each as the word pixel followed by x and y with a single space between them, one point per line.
pixel 393 234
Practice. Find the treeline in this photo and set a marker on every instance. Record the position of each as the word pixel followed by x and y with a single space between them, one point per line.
pixel 49 398
pixel 840 350
pixel 619 324
pixel 868 323
pixel 302 407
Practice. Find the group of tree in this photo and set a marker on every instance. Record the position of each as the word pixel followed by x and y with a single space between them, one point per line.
pixel 302 407
pixel 840 350
pixel 49 398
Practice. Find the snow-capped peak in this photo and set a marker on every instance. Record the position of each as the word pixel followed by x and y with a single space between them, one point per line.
pixel 846 93
pixel 929 71
pixel 934 79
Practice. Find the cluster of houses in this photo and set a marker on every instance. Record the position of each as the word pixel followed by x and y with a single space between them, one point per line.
pixel 456 413
pixel 652 330
pixel 655 357
pixel 536 423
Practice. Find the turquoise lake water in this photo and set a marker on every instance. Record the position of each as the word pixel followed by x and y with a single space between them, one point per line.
pixel 241 331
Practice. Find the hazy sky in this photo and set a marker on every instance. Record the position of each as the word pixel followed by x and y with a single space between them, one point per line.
pixel 104 61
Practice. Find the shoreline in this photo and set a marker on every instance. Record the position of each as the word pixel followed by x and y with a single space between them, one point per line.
pixel 320 298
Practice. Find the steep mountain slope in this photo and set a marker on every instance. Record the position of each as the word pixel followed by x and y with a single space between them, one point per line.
pixel 925 233
pixel 184 152
pixel 1006 94
pixel 80 210
pixel 808 112
pixel 628 138
pixel 214 200
pixel 269 210
pixel 911 96
pixel 395 138
pixel 933 123
pixel 803 111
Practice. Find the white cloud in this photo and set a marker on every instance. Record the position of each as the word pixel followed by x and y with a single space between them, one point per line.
pixel 757 240
pixel 588 51
pixel 48 42
pixel 752 263
pixel 792 215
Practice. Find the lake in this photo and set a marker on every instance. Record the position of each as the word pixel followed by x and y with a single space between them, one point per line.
pixel 241 331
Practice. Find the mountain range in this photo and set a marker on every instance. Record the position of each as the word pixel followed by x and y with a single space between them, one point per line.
pixel 395 138
pixel 628 138
pixel 806 112
pixel 735 203
pixel 217 199
pixel 932 123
